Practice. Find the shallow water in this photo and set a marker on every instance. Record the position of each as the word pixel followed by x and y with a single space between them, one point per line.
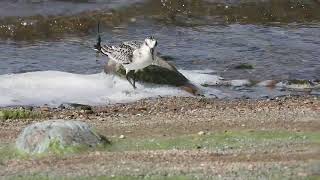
pixel 279 39
pixel 24 8
pixel 54 88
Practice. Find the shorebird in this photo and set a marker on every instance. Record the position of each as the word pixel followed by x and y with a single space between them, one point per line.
pixel 133 55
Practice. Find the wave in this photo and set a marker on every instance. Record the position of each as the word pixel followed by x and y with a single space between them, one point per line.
pixel 55 87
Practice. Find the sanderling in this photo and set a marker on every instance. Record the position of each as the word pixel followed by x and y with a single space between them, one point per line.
pixel 133 55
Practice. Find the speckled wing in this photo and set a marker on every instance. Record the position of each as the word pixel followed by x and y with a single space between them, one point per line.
pixel 122 54
pixel 133 44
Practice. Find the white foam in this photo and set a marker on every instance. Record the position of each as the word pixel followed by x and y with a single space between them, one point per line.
pixel 54 88
pixel 201 76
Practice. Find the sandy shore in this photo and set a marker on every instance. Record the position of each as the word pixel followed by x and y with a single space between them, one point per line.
pixel 164 119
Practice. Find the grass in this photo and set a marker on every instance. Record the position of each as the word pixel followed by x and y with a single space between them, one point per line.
pixel 8 152
pixel 220 141
pixel 275 174
pixel 57 149
pixel 18 114
pixel 216 141
pixel 44 177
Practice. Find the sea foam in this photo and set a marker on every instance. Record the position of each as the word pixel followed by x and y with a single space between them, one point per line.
pixel 55 87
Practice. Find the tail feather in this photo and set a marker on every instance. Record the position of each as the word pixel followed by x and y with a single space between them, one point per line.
pixel 106 49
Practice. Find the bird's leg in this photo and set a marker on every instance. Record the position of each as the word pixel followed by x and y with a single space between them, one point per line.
pixel 127 77
pixel 134 80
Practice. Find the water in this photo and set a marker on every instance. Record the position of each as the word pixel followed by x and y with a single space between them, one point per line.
pixel 25 8
pixel 280 39
pixel 55 87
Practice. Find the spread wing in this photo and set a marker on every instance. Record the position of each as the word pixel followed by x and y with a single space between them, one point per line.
pixel 122 53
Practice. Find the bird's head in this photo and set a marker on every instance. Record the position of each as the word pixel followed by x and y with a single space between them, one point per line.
pixel 152 44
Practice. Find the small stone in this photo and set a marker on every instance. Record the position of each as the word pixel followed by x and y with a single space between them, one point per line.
pixel 88 111
pixel 44 108
pixel 201 133
pixel 122 136
pixel 133 19
pixel 142 109
pixel 302 174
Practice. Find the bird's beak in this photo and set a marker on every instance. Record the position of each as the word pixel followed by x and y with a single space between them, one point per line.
pixel 152 53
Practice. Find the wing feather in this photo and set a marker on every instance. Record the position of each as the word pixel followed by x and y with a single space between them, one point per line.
pixel 122 53
pixel 133 44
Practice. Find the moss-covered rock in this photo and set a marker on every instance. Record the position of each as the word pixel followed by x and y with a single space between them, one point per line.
pixel 161 72
pixel 58 136
pixel 244 66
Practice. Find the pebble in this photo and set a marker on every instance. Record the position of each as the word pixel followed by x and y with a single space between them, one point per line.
pixel 45 108
pixel 201 133
pixel 133 19
pixel 302 174
pixel 122 136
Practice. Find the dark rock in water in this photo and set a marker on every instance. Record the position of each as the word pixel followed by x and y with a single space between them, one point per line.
pixel 57 135
pixel 244 66
pixel 299 84
pixel 167 58
pixel 75 106
pixel 161 73
pixel 299 81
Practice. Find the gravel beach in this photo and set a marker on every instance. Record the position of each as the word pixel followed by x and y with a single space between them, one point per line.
pixel 292 152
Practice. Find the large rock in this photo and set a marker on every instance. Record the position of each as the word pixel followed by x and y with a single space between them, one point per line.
pixel 161 73
pixel 43 136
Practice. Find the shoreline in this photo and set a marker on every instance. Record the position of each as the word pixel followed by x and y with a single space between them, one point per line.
pixel 183 136
pixel 184 112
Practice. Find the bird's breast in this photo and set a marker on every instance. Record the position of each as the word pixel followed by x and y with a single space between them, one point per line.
pixel 142 56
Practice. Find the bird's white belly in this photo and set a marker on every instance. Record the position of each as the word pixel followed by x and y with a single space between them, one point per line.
pixel 139 62
pixel 137 65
